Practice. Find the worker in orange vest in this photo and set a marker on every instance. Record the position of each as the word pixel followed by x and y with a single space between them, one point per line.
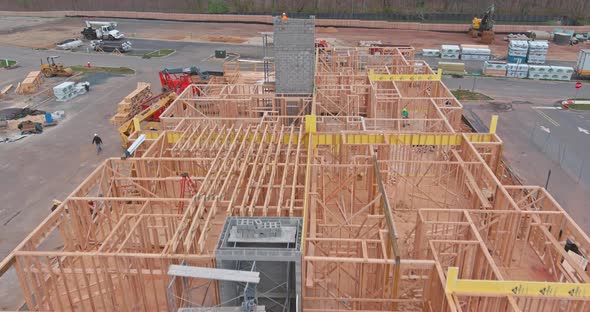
pixel 284 17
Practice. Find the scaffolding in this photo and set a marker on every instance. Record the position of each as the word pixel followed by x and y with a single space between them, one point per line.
pixel 398 214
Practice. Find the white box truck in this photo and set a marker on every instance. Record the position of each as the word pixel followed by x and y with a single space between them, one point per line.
pixel 583 64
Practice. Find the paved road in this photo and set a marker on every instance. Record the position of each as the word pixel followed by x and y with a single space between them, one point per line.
pixel 39 168
pixel 539 137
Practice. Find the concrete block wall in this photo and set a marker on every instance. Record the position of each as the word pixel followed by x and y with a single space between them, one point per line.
pixel 294 52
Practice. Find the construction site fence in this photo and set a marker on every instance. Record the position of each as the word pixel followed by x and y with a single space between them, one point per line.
pixel 321 20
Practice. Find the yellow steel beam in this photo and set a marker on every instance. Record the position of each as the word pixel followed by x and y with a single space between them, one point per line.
pixel 516 288
pixel 405 77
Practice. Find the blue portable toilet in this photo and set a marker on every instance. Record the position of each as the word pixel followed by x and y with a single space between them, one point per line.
pixel 48 118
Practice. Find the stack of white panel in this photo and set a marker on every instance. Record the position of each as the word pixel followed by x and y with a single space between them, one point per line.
pixel 450 52
pixel 537 52
pixel 517 70
pixel 550 72
pixel 561 73
pixel 517 51
pixel 69 90
pixel 64 91
pixel 430 52
pixel 497 69
pixel 539 72
pixel 471 52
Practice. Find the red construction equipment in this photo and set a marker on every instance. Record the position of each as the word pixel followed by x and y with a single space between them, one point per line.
pixel 320 43
pixel 185 183
pixel 175 82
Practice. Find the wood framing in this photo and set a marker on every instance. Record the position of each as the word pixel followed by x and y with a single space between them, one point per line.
pixel 388 203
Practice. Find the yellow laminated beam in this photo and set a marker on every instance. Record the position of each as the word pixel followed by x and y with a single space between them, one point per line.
pixel 516 288
pixel 405 77
pixel 494 124
pixel 435 139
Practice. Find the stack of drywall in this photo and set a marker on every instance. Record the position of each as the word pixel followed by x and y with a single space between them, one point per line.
pixel 517 70
pixel 452 67
pixel 31 84
pixel 131 105
pixel 473 52
pixel 550 72
pixel 69 90
pixel 561 72
pixel 64 91
pixel 539 72
pixel 517 51
pixel 497 69
pixel 537 52
pixel 450 51
pixel 430 52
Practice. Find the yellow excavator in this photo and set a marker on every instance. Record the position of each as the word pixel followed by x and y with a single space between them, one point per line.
pixel 52 69
pixel 484 27
pixel 151 114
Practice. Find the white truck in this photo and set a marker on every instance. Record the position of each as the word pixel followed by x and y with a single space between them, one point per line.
pixel 583 64
pixel 101 30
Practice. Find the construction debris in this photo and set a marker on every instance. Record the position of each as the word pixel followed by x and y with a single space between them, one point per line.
pixel 131 104
pixel 30 127
pixel 31 83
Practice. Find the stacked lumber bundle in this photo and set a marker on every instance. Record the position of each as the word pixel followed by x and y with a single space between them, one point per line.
pixel 31 84
pixel 131 104
pixel 448 67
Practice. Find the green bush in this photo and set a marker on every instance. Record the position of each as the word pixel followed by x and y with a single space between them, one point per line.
pixel 217 7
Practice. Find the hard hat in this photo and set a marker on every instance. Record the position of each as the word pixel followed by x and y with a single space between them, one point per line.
pixel 95 134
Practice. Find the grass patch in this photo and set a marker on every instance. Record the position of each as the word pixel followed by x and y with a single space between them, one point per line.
pixel 159 53
pixel 109 70
pixel 465 95
pixel 579 106
pixel 6 63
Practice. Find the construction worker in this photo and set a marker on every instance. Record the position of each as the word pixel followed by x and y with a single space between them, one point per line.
pixel 405 115
pixel 56 203
pixel 98 141
pixel 284 17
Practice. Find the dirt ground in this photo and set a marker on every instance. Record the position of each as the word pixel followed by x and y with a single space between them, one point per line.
pixel 44 34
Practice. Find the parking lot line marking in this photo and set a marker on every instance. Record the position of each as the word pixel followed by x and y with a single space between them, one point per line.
pixel 549 119
pixel 546 107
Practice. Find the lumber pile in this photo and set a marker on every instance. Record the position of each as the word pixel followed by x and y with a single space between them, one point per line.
pixel 31 84
pixel 448 67
pixel 131 104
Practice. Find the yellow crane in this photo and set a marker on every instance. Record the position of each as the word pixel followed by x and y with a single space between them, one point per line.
pixel 134 125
